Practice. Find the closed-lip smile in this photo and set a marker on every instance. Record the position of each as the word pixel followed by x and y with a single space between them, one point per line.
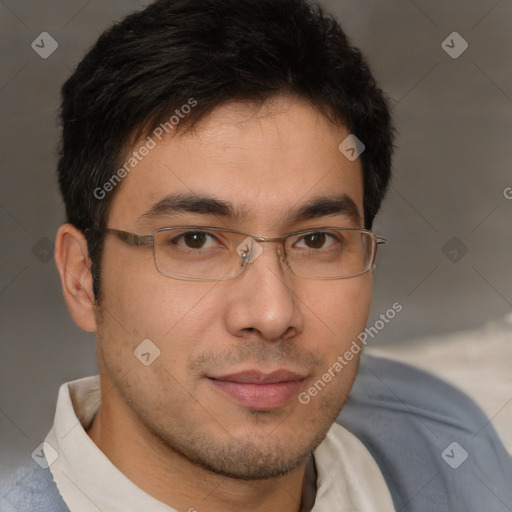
pixel 255 389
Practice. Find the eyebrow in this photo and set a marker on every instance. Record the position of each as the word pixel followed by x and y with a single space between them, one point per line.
pixel 199 204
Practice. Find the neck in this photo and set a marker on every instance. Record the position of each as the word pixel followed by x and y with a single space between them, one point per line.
pixel 174 480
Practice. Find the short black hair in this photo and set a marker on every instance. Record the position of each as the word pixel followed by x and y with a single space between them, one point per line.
pixel 209 52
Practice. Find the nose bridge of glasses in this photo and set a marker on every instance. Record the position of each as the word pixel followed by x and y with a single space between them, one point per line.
pixel 250 248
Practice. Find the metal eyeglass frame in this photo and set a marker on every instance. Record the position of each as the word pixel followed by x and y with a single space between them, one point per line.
pixel 148 240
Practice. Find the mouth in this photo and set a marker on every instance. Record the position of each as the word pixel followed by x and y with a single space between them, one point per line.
pixel 257 390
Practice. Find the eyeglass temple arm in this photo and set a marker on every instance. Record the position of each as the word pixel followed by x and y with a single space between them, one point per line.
pixel 131 238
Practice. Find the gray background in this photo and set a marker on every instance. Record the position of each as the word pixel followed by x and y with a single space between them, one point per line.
pixel 451 169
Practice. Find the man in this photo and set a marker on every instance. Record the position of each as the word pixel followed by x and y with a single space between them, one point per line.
pixel 222 164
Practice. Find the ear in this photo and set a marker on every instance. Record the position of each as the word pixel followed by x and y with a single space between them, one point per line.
pixel 73 263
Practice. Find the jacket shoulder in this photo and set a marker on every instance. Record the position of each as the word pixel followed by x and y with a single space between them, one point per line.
pixel 31 489
pixel 435 447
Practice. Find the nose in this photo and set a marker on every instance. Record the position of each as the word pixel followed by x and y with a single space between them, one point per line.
pixel 264 297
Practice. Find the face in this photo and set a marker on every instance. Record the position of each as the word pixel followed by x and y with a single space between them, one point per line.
pixel 235 355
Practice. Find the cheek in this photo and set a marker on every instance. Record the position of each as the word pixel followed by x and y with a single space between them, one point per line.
pixel 354 300
pixel 175 316
pixel 341 308
pixel 141 304
pixel 145 302
pixel 335 319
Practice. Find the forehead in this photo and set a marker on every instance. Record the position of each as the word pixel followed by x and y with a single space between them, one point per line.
pixel 263 162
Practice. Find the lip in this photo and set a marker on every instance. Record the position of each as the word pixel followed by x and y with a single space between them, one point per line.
pixel 254 389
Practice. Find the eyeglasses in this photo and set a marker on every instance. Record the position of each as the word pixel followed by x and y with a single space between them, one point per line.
pixel 199 253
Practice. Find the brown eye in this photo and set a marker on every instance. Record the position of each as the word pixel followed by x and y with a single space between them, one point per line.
pixel 194 240
pixel 315 240
pixel 318 241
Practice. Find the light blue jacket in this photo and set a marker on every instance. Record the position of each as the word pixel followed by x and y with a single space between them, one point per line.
pixel 437 451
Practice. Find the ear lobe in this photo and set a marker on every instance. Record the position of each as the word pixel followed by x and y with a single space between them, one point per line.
pixel 73 263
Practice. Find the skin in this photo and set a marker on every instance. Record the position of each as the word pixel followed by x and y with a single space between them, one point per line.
pixel 164 425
